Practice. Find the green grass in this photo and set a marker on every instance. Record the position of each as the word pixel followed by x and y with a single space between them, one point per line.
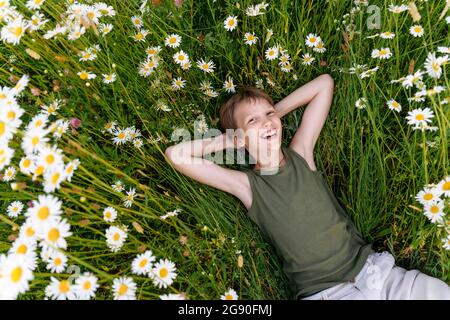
pixel 373 160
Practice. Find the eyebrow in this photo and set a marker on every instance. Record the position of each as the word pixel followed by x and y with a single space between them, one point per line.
pixel 249 117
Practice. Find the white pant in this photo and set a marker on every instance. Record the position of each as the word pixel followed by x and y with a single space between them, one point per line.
pixel 381 279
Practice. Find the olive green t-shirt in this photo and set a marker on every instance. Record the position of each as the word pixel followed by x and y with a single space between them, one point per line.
pixel 298 213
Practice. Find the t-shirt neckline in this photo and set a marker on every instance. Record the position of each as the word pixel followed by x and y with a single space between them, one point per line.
pixel 276 170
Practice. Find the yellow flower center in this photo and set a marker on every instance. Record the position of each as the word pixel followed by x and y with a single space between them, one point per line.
pixel 30 232
pixel 383 51
pixel 121 135
pixel 87 285
pixel 180 57
pixel 22 249
pixel 17 31
pixel 11 115
pixel 434 209
pixel 39 170
pixel 428 196
pixel 172 40
pixel 116 237
pixel 70 169
pixel 139 36
pixel 143 263
pixel 53 235
pixel 163 273
pixel 91 15
pixel 313 39
pixel 43 213
pixel 108 215
pixel 417 29
pixel 34 141
pixel 420 117
pixel 2 128
pixel 231 22
pixel 16 274
pixel 57 261
pixel 446 186
pixel 228 297
pixel 55 178
pixel 83 76
pixel 64 286
pixel 123 289
pixel 50 159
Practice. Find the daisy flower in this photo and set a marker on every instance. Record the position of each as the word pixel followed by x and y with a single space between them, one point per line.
pixel 172 41
pixel 87 56
pixel 284 59
pixel 57 262
pixel 9 174
pixel 39 121
pixel 163 273
pixel 137 143
pixel 143 263
pixel 140 35
pixel 137 21
pixel 13 31
pixel 419 116
pixel 387 35
pixel 416 30
pixel 105 28
pixel 85 286
pixel 109 78
pixel 180 57
pixel 186 66
pixel 229 295
pixel 109 214
pixel 118 186
pixel 312 40
pixel 271 53
pixel 14 209
pixel 84 75
pixel 229 85
pixel 427 195
pixel 152 51
pixel 250 38
pixel 394 105
pixel 44 210
pixel 383 53
pixel 53 177
pixel 128 200
pixel 56 232
pixel 207 67
pixel 433 66
pixel 7 154
pixel 15 275
pixel 307 59
pixel 320 47
pixel 124 288
pixel 115 238
pixel 110 126
pixel 27 248
pixel 27 230
pixel 443 187
pixel 60 290
pixel 120 137
pixel 173 296
pixel 34 140
pixel 34 4
pixel 255 10
pixel 361 103
pixel 70 168
pixel 50 157
pixel 178 83
pixel 434 211
pixel 446 241
pixel 412 79
pixel 398 9
pixel 231 23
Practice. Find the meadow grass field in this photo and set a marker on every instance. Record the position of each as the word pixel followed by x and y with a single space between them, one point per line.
pixel 92 92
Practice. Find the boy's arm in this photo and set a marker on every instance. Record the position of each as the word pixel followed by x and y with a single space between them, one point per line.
pixel 318 93
pixel 186 157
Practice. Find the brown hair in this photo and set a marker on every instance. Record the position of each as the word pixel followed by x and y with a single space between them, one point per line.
pixel 227 120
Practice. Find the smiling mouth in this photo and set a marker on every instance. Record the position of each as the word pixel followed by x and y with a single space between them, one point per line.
pixel 269 135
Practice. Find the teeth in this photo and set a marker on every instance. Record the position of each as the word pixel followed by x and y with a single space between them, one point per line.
pixel 269 133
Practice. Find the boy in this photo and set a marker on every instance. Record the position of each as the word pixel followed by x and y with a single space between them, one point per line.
pixel 324 255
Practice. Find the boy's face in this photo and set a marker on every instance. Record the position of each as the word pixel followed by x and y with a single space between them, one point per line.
pixel 260 126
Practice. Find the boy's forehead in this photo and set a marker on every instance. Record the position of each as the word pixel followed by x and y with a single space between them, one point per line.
pixel 250 107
